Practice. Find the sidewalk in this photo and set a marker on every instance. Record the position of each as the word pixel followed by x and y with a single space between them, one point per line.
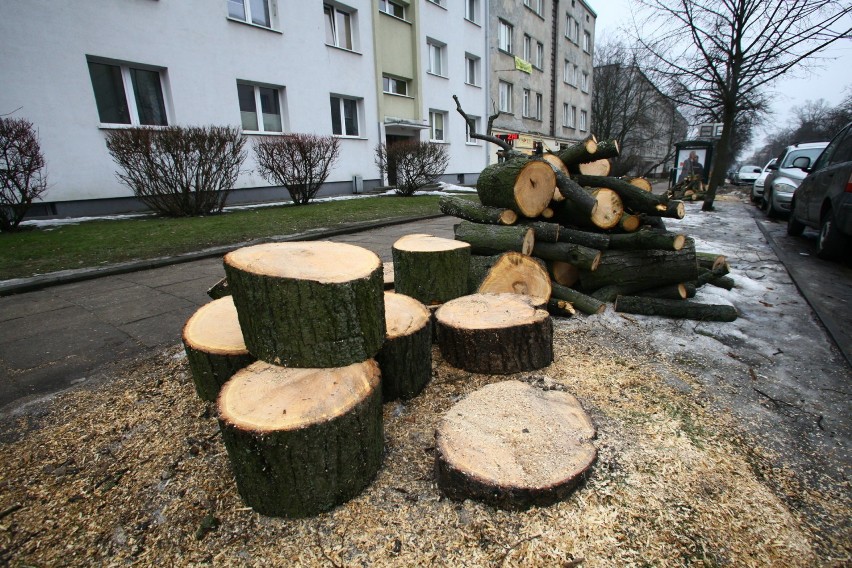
pixel 58 336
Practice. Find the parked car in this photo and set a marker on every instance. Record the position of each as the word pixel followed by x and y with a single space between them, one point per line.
pixel 747 174
pixel 784 178
pixel 757 186
pixel 824 198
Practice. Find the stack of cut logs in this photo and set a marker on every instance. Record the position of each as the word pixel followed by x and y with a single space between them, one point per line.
pixel 558 224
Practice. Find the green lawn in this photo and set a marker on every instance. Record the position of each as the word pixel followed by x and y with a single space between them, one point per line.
pixel 96 243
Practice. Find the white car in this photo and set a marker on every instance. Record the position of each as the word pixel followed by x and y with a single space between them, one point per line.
pixel 747 174
pixel 757 187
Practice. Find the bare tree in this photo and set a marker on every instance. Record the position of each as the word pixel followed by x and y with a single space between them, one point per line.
pixel 299 162
pixel 22 177
pixel 416 163
pixel 718 55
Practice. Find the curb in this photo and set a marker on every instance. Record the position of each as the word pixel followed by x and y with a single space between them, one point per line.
pixel 21 285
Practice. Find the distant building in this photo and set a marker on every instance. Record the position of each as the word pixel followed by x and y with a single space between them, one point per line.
pixel 367 71
pixel 541 71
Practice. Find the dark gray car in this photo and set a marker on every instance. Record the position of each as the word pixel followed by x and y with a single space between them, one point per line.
pixel 824 198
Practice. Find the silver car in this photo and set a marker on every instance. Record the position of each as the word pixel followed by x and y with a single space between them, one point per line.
pixel 746 175
pixel 784 177
pixel 757 186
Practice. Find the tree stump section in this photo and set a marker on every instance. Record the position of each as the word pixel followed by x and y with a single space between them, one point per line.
pixel 308 304
pixel 514 446
pixel 522 185
pixel 406 357
pixel 214 345
pixel 495 334
pixel 517 273
pixel 430 269
pixel 302 441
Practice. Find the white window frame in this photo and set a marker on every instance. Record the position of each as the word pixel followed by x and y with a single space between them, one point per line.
pixel 505 93
pixel 342 115
pixel 434 131
pixel 258 107
pixel 539 106
pixel 525 104
pixel 505 31
pixel 471 11
pixel 437 2
pixel 271 6
pixel 335 30
pixel 576 32
pixel 574 75
pixel 584 82
pixel 130 93
pixel 587 41
pixel 388 84
pixel 572 118
pixel 387 7
pixel 568 26
pixel 467 139
pixel 566 71
pixel 536 6
pixel 436 52
pixel 472 66
pixel 566 109
pixel 539 55
pixel 584 121
pixel 527 51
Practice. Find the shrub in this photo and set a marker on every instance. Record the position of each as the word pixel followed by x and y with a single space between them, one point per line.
pixel 21 171
pixel 415 163
pixel 179 171
pixel 299 162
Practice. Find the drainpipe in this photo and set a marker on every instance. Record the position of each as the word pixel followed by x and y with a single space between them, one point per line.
pixel 554 37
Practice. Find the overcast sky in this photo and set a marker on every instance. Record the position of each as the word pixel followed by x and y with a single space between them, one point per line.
pixel 826 79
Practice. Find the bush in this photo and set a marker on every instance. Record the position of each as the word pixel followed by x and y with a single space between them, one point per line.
pixel 179 171
pixel 299 162
pixel 415 163
pixel 21 171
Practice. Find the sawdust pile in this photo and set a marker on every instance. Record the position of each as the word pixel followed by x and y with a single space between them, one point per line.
pixel 134 471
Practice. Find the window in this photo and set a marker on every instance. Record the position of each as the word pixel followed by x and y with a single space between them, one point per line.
pixel 574 75
pixel 526 103
pixel 392 8
pixel 266 100
pixel 527 54
pixel 471 10
pixel 505 92
pixel 338 27
pixel 438 2
pixel 504 37
pixel 566 72
pixel 436 126
pixel 125 94
pixel 584 82
pixel 569 115
pixel 539 55
pixel 437 57
pixel 576 32
pixel 471 65
pixel 536 6
pixel 394 86
pixel 583 119
pixel 539 104
pixel 467 138
pixel 587 42
pixel 344 116
pixel 251 11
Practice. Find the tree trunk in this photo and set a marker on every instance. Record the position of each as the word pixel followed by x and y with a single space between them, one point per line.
pixel 308 304
pixel 582 302
pixel 495 334
pixel 607 211
pixel 587 239
pixel 607 149
pixel 431 269
pixel 405 359
pixel 577 198
pixel 302 441
pixel 517 273
pixel 563 273
pixel 721 158
pixel 675 308
pixel 214 345
pixel 635 270
pixel 582 257
pixel 629 223
pixel 513 446
pixel 522 185
pixel 544 232
pixel 579 153
pixel 476 212
pixel 647 240
pixel 711 260
pixel 496 239
pixel 635 200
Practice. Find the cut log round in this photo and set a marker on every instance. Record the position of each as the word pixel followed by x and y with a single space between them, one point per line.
pixel 522 185
pixel 518 274
pixel 302 441
pixel 214 346
pixel 675 308
pixel 607 149
pixel 579 153
pixel 431 269
pixel 629 223
pixel 476 212
pixel 308 304
pixel 405 359
pixel 640 182
pixel 495 334
pixel 496 239
pixel 596 168
pixel 633 198
pixel 607 211
pixel 563 273
pixel 513 446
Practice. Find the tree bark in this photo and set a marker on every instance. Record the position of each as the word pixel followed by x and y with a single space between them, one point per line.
pixel 578 199
pixel 647 240
pixel 214 345
pixel 496 239
pixel 607 211
pixel 513 446
pixel 587 239
pixel 476 212
pixel 635 270
pixel 607 149
pixel 479 267
pixel 517 273
pixel 584 303
pixel 579 153
pixel 431 269
pixel 635 200
pixel 219 290
pixel 675 308
pixel 544 232
pixel 495 334
pixel 582 257
pixel 522 185
pixel 308 304
pixel 302 441
pixel 405 359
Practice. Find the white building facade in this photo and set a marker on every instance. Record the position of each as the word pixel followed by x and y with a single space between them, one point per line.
pixel 78 69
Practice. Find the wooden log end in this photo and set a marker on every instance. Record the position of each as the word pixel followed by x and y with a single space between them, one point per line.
pixel 517 273
pixel 508 217
pixel 608 209
pixel 678 242
pixel 533 187
pixel 529 242
pixel 405 358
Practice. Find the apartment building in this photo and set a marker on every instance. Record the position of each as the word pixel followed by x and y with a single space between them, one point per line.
pixel 541 71
pixel 366 71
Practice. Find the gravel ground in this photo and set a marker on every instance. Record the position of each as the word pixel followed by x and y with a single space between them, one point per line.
pixel 699 460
